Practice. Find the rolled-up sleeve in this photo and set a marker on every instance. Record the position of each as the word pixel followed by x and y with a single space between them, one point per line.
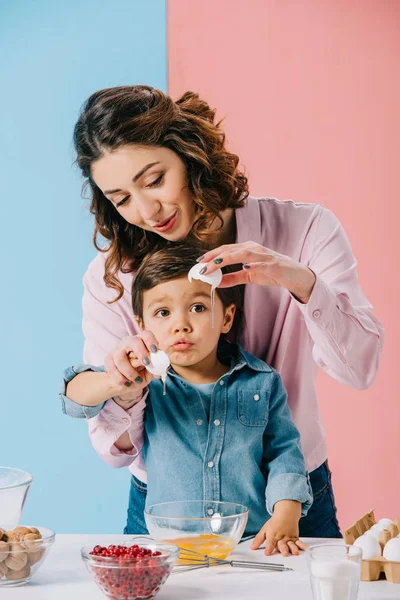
pixel 109 424
pixel 283 460
pixel 347 335
pixel 68 406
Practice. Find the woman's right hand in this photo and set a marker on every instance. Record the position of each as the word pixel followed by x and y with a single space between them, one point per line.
pixel 126 364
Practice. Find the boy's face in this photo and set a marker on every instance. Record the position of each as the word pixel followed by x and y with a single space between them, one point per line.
pixel 179 314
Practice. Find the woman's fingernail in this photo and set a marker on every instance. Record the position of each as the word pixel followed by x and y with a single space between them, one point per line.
pixel 146 361
pixel 203 270
pixel 153 348
pixel 200 258
pixel 246 266
pixel 127 383
pixel 218 261
pixel 138 379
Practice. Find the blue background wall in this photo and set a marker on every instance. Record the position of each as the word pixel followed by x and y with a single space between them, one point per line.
pixel 52 57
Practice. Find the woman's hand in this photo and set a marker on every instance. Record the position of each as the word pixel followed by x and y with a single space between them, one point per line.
pixel 261 266
pixel 126 364
pixel 281 532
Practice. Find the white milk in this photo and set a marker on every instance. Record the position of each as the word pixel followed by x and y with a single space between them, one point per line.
pixel 214 279
pixel 14 487
pixel 335 580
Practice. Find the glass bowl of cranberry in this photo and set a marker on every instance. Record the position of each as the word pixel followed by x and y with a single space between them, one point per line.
pixel 133 569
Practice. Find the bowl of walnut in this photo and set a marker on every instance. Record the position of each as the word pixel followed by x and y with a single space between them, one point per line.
pixel 22 551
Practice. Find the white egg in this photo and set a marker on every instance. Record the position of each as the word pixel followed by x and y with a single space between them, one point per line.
pixel 369 545
pixel 159 363
pixel 385 522
pixel 391 550
pixel 214 279
pixel 374 534
pixel 376 530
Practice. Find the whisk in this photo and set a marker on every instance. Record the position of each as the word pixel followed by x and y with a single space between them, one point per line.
pixel 193 560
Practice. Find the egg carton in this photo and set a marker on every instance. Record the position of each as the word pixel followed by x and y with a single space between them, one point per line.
pixel 371 569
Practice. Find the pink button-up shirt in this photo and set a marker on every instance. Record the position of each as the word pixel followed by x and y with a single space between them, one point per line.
pixel 335 331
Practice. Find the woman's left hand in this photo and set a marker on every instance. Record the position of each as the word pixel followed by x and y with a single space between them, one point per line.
pixel 261 266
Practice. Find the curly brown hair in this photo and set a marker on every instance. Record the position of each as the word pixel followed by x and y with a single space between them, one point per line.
pixel 139 114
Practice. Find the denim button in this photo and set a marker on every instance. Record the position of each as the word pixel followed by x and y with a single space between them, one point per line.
pixel 210 464
pixel 221 382
pixel 210 511
pixel 217 422
pixel 316 314
pixel 199 422
pixel 256 397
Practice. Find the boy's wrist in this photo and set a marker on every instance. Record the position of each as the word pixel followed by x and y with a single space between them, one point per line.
pixel 288 508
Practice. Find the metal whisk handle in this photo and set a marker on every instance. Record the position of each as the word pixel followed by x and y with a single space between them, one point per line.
pixel 259 565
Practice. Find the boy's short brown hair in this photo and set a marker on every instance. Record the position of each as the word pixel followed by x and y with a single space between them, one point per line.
pixel 172 262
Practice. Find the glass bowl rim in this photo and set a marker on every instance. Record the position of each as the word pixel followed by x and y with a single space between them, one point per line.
pixel 171 550
pixel 330 545
pixel 48 538
pixel 16 485
pixel 153 516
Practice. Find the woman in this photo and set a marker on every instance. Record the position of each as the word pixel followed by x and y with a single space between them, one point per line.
pixel 158 171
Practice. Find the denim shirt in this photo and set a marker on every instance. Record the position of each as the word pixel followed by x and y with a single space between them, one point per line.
pixel 248 451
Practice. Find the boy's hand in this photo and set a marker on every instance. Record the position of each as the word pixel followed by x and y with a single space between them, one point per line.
pixel 126 364
pixel 281 532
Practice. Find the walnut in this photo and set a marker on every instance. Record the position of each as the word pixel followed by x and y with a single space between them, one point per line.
pixel 35 550
pixel 21 574
pixel 10 536
pixel 34 530
pixel 2 532
pixel 4 548
pixel 3 569
pixel 30 537
pixel 16 535
pixel 17 558
pixel 19 532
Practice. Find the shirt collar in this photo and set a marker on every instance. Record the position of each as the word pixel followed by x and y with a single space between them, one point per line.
pixel 248 221
pixel 235 357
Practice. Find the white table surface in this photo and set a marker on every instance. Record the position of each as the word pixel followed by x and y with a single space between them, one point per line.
pixel 63 576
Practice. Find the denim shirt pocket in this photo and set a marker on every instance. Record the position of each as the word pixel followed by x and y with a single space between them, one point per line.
pixel 253 407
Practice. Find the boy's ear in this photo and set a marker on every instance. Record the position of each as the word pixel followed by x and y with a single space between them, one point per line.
pixel 228 318
pixel 139 322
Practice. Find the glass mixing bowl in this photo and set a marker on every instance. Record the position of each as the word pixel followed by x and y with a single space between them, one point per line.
pixel 14 488
pixel 19 560
pixel 207 528
pixel 131 577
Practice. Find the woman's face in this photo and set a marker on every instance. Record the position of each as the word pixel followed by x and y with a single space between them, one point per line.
pixel 148 187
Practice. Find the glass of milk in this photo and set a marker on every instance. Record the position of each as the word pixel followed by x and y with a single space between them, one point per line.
pixel 14 487
pixel 335 571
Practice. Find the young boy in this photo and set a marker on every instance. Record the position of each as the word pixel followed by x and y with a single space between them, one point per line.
pixel 223 431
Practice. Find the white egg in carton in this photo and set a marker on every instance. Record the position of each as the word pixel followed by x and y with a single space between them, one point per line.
pixel 380 544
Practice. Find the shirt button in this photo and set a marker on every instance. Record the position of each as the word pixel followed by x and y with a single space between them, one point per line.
pixel 210 464
pixel 217 422
pixel 125 420
pixel 316 314
pixel 221 382
pixel 199 422
pixel 256 397
pixel 210 511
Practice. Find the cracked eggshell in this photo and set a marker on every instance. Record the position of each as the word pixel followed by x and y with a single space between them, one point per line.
pixel 159 363
pixel 214 279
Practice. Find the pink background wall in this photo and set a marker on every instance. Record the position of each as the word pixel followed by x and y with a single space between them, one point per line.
pixel 310 93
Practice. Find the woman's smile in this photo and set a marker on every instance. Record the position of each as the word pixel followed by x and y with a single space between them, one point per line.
pixel 167 224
